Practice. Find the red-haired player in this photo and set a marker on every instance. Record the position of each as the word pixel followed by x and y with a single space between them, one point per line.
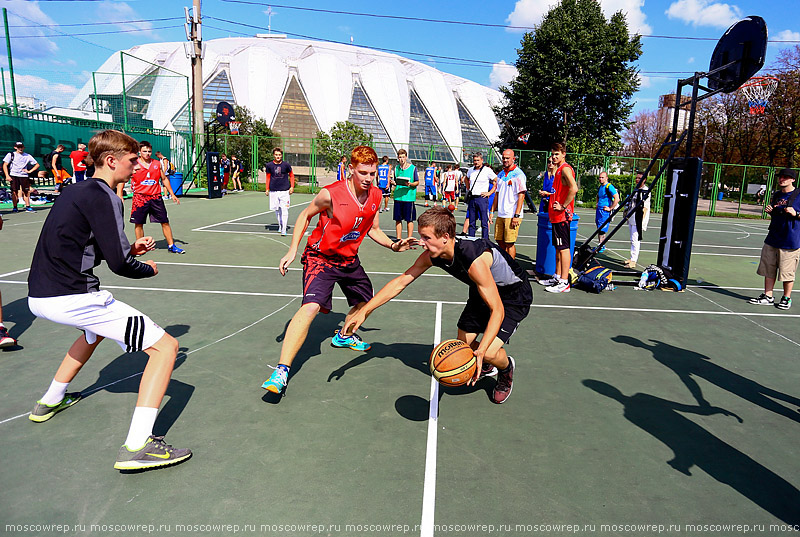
pixel 347 211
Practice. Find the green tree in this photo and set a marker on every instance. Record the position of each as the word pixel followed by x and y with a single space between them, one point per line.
pixel 575 80
pixel 341 140
pixel 241 145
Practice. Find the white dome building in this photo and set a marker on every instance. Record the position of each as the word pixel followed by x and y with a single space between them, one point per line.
pixel 301 86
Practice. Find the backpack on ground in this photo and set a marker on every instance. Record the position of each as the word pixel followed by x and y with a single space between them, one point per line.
pixel 169 167
pixel 594 279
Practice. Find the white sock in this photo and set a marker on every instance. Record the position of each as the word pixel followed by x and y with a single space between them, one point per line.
pixel 55 393
pixel 141 427
pixel 2 325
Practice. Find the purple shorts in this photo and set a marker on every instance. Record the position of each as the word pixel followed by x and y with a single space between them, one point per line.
pixel 152 205
pixel 321 273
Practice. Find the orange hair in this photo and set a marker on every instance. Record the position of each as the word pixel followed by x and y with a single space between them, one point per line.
pixel 363 155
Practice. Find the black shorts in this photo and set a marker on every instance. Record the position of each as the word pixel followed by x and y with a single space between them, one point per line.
pixel 144 205
pixel 321 273
pixel 404 210
pixel 20 182
pixel 386 192
pixel 561 235
pixel 476 314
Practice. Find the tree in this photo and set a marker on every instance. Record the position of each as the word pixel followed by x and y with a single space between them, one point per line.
pixel 644 136
pixel 575 80
pixel 241 145
pixel 343 137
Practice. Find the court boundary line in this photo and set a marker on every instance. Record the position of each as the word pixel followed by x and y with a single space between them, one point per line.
pixel 449 302
pixel 179 355
pixel 429 487
pixel 203 228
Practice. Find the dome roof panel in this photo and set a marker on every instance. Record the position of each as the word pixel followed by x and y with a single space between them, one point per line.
pixel 438 100
pixel 385 84
pixel 328 83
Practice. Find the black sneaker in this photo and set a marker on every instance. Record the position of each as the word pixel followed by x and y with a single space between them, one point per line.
pixel 504 381
pixel 785 303
pixel 487 370
pixel 763 300
pixel 154 454
pixel 5 339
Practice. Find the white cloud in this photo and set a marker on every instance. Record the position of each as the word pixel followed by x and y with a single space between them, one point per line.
pixel 690 60
pixel 23 13
pixel 502 73
pixel 531 13
pixel 121 11
pixel 53 93
pixel 785 35
pixel 704 13
pixel 644 81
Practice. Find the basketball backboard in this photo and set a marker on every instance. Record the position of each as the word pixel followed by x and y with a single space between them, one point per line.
pixel 225 113
pixel 742 48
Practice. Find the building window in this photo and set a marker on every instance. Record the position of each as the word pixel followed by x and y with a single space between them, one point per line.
pixel 363 114
pixel 295 123
pixel 425 135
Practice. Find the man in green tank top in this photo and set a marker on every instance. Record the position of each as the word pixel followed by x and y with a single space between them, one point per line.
pixel 405 179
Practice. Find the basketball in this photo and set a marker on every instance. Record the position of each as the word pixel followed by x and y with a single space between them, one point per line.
pixel 452 362
pixel 451 208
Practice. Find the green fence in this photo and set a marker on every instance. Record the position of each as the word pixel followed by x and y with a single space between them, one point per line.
pixel 42 133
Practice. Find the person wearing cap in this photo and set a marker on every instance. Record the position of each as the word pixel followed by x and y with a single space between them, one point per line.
pixel 16 166
pixel 78 165
pixel 781 251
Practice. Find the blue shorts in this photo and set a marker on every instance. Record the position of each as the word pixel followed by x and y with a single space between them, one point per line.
pixel 599 217
pixel 404 210
pixel 430 190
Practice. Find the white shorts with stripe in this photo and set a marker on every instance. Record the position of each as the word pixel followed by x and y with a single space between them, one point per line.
pixel 99 314
pixel 278 199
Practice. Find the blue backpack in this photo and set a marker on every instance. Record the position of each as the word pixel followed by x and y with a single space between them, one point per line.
pixel 594 279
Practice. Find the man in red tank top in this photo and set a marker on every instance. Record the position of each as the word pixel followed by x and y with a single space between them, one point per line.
pixel 560 210
pixel 347 213
pixel 146 183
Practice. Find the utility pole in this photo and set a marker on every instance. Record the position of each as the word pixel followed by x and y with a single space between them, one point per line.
pixel 194 51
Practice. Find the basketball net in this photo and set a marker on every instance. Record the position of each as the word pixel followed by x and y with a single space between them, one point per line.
pixel 234 126
pixel 758 90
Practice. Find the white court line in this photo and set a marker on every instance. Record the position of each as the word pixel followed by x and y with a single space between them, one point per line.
pixel 429 489
pixel 750 320
pixel 203 228
pixel 412 301
pixel 25 224
pixel 185 354
pixel 276 268
pixel 15 272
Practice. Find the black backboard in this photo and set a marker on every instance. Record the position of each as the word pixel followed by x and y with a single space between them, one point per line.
pixel 225 113
pixel 744 43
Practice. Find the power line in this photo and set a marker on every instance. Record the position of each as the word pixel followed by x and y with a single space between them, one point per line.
pixel 62 34
pixel 452 60
pixel 459 23
pixel 37 25
pixel 73 36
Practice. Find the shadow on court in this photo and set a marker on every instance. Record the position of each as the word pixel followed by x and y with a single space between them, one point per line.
pixel 688 364
pixel 130 366
pixel 722 291
pixel 692 445
pixel 17 312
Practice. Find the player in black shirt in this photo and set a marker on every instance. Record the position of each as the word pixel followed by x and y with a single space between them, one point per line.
pixel 83 228
pixel 500 295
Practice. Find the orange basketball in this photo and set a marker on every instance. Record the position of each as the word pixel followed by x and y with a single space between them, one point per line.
pixel 452 362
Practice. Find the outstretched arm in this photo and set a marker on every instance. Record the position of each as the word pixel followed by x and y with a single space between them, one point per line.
pixel 321 202
pixel 389 291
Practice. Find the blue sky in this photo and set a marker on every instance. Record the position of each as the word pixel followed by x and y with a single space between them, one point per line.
pixel 53 65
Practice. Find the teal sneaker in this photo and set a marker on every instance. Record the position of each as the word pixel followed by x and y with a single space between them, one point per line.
pixel 42 412
pixel 277 381
pixel 353 342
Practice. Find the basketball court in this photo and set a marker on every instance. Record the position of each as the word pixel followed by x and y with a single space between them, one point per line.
pixel 632 411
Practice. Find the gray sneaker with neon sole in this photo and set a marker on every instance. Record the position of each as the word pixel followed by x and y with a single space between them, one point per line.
pixel 155 454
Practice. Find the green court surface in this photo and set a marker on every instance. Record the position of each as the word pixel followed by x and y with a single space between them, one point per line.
pixel 633 412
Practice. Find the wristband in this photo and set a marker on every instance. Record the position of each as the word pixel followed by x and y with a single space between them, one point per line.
pixel 516 216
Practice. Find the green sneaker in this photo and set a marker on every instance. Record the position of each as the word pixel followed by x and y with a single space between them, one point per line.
pixel 352 342
pixel 155 454
pixel 42 412
pixel 277 381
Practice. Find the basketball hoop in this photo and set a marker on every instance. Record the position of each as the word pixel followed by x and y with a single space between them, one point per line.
pixel 234 126
pixel 758 91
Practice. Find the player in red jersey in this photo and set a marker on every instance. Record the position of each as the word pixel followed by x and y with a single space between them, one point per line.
pixel 347 213
pixel 146 183
pixel 561 209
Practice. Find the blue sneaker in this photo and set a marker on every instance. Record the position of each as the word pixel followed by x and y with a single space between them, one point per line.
pixel 353 342
pixel 29 209
pixel 601 250
pixel 277 381
pixel 175 249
